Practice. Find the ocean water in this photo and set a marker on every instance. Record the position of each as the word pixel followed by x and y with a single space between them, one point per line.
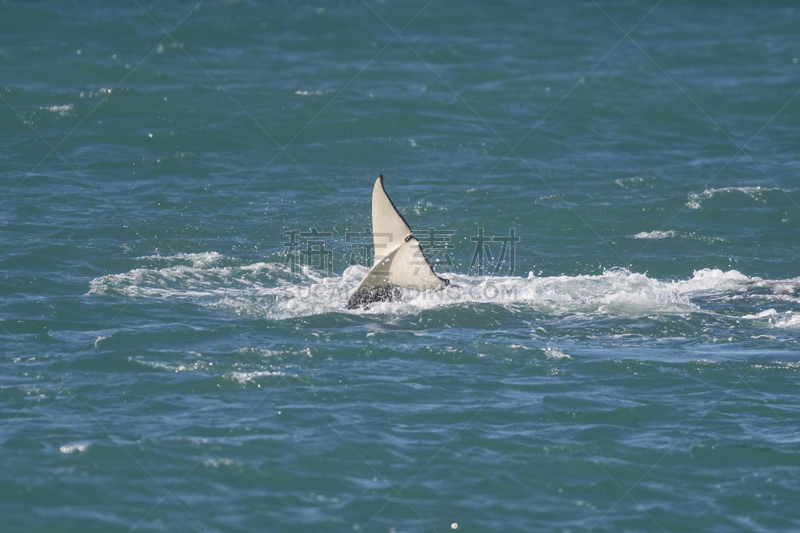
pixel 612 188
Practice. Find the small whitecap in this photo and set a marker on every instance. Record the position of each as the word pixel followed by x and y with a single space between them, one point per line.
pixel 220 462
pixel 757 193
pixel 636 181
pixel 79 447
pixel 655 235
pixel 246 377
pixel 555 353
pixel 789 321
pixel 762 314
pixel 60 110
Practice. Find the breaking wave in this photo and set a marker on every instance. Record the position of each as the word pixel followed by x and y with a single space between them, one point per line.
pixel 270 290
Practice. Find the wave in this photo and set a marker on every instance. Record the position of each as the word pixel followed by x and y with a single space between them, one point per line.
pixel 726 195
pixel 655 234
pixel 672 234
pixel 272 291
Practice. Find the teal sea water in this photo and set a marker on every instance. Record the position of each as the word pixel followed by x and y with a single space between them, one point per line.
pixel 611 186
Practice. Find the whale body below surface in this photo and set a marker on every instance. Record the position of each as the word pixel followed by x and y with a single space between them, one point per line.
pixel 399 260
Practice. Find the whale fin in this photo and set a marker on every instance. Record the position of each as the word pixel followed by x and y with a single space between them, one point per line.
pixel 399 259
pixel 388 225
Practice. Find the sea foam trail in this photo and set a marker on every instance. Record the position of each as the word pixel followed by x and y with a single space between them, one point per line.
pixel 270 290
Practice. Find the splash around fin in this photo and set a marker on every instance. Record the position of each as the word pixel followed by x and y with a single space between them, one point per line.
pixel 399 259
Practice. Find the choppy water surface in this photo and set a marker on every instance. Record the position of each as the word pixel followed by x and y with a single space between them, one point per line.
pixel 184 212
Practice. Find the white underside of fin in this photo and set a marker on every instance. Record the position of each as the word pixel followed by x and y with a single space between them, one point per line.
pixel 404 266
pixel 399 261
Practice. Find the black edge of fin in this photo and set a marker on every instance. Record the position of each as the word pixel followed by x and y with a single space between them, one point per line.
pixel 411 235
pixel 380 178
pixel 388 293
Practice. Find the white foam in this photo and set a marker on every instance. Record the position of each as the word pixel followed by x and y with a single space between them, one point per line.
pixel 655 235
pixel 789 320
pixel 223 462
pixel 247 377
pixel 672 234
pixel 196 366
pixel 270 290
pixel 61 110
pixel 614 292
pixel 775 319
pixel 762 314
pixel 636 181
pixel 695 200
pixel 555 353
pixel 75 447
pixel 202 259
